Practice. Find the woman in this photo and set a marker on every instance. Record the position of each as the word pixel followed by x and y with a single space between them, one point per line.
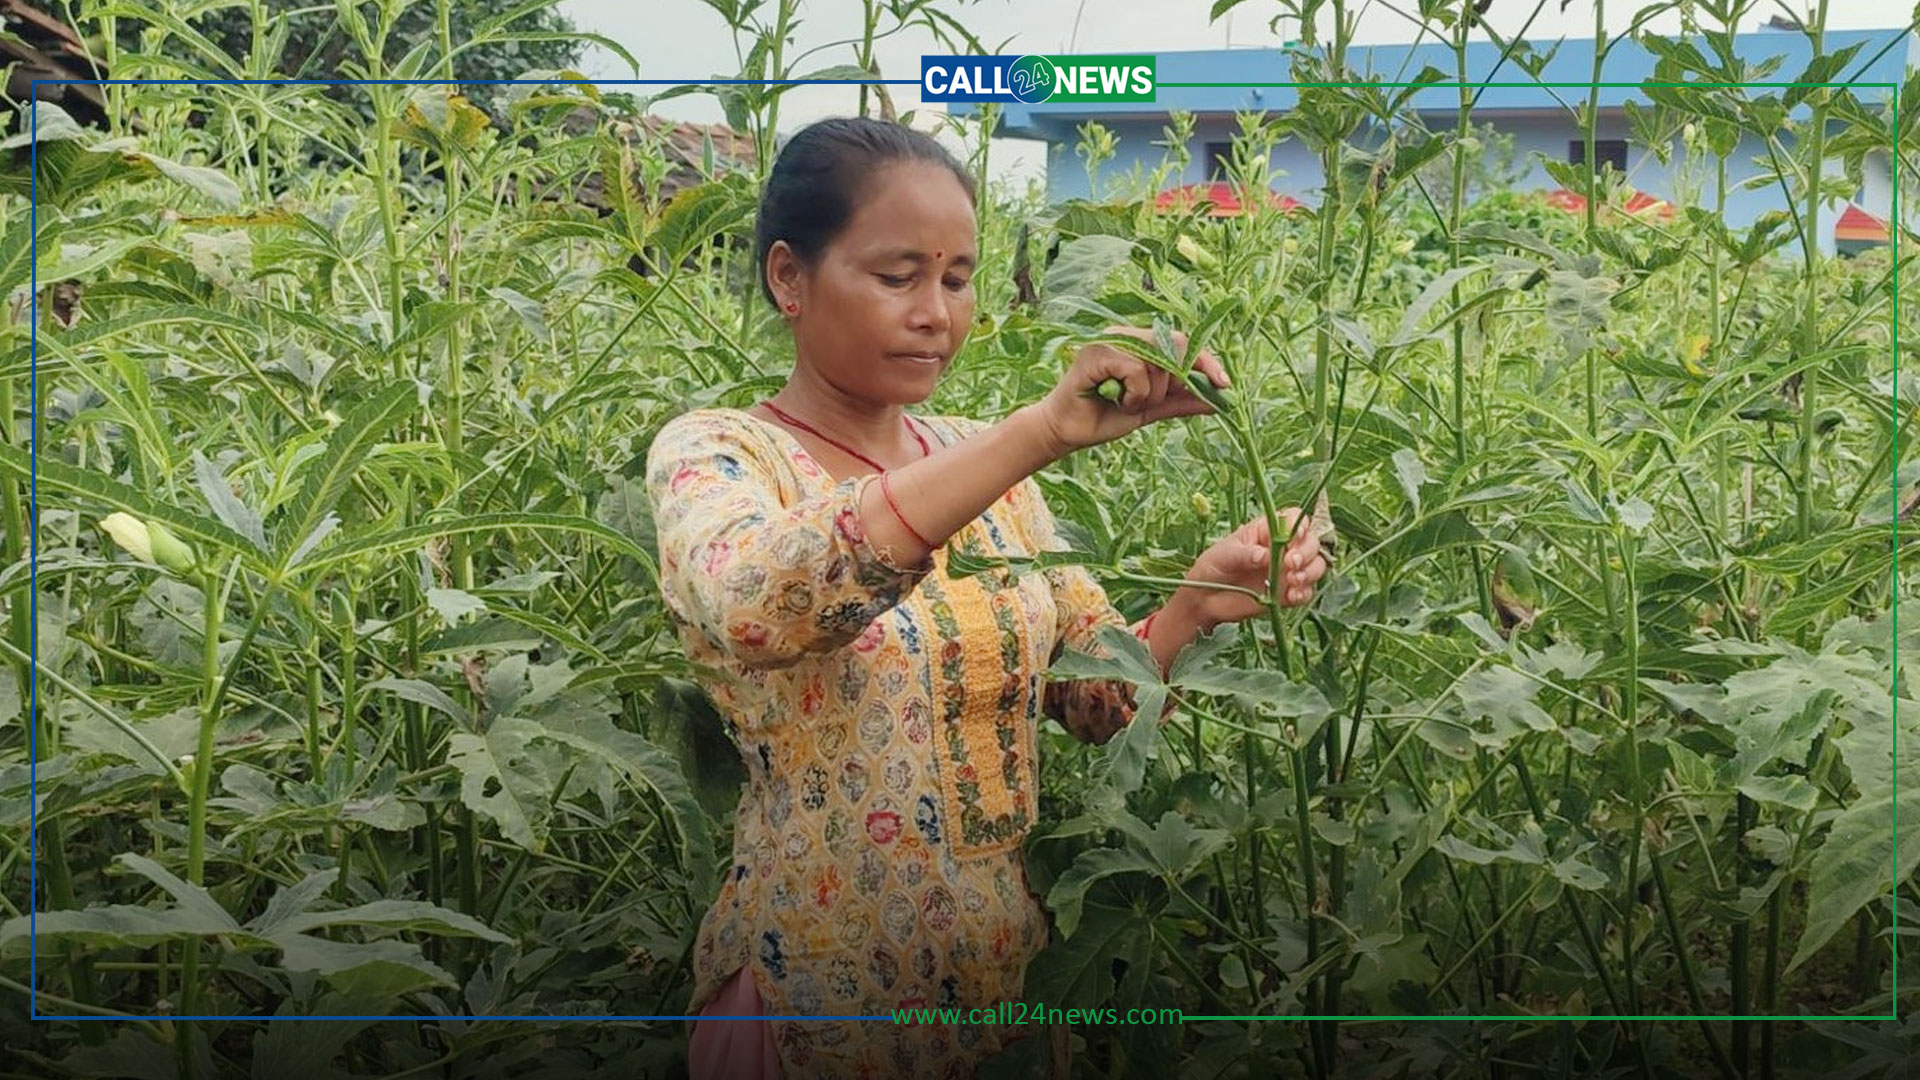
pixel 887 713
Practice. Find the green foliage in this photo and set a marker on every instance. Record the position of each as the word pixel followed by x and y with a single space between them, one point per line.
pixel 303 40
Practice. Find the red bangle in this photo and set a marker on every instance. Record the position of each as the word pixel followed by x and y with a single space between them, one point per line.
pixel 895 507
pixel 1145 626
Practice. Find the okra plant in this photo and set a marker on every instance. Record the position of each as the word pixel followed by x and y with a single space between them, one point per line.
pixel 344 686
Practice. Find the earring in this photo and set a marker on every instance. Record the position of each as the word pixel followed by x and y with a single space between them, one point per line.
pixel 793 308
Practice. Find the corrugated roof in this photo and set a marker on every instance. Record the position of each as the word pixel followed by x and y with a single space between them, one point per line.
pixel 1857 224
pixel 43 47
pixel 683 144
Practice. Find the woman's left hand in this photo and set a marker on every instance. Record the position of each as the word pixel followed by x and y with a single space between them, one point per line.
pixel 1244 557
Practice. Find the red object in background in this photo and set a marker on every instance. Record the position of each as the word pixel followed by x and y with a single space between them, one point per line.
pixel 1221 195
pixel 1638 203
pixel 1859 226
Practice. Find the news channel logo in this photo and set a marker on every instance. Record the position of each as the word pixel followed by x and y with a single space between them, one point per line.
pixel 1032 79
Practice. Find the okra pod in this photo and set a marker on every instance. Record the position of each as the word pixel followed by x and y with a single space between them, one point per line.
pixel 1198 381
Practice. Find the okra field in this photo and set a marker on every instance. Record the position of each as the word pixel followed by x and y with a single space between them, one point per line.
pixel 336 664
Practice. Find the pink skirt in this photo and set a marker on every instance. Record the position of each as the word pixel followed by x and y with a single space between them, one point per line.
pixel 723 1049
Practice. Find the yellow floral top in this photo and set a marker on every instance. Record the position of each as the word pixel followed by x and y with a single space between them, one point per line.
pixel 887 717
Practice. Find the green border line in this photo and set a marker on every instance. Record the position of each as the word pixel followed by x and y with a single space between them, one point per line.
pixel 1895 87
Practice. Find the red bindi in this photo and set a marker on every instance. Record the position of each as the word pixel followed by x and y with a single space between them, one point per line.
pixel 939 254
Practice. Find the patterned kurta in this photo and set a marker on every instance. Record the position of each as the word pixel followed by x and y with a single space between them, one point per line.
pixel 887 717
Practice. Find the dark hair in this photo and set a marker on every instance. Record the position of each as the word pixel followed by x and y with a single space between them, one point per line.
pixel 820 175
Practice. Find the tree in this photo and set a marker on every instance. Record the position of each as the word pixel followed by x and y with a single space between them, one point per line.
pixel 315 45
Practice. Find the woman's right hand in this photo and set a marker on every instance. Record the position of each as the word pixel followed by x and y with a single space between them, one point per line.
pixel 1079 418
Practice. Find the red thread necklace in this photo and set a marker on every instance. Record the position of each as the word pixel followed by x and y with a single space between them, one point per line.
pixel 925 450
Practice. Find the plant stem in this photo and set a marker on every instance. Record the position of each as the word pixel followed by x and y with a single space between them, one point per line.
pixel 1636 783
pixel 213 605
pixel 1680 951
pixel 1741 960
pixel 1770 979
pixel 50 833
pixel 1810 249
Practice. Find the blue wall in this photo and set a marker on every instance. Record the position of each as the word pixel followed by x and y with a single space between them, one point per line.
pixel 1296 169
pixel 1532 114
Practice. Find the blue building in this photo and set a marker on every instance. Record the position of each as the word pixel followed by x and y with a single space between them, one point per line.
pixel 1537 115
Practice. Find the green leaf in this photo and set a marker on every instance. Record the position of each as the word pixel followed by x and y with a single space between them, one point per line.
pixel 1408 469
pixel 1080 510
pixel 1449 737
pixel 1177 848
pixel 1170 850
pixel 1812 599
pixel 501 781
pixel 87 260
pixel 290 900
pixel 212 183
pixel 303 1047
pixel 1575 874
pixel 1409 331
pixel 1268 692
pixel 1479 627
pixel 194 901
pixel 453 605
pixel 1775 711
pixel 387 812
pixel 225 505
pixel 698 216
pixel 1069 892
pixel 417 915
pixel 1823 68
pixel 645 766
pixel 112 927
pixel 1200 335
pixel 1124 657
pixel 1503 697
pixel 1859 861
pixel 154 743
pixel 1455 848
pixel 414 536
pixel 90 335
pixel 1081 968
pixel 1331 831
pixel 530 311
pixel 378 969
pixel 16 250
pixel 625 508
pixel 1793 792
pixel 493 632
pixel 129 1055
pixel 328 479
pixel 46 122
pixel 425 693
pixel 837 72
pixel 1082 269
pixel 427 323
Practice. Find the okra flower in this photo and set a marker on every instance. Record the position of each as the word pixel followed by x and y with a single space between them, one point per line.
pixel 130 533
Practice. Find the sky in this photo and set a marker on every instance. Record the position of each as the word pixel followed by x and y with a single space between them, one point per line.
pixel 674 39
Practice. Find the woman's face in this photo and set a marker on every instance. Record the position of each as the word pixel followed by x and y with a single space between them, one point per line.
pixel 886 306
